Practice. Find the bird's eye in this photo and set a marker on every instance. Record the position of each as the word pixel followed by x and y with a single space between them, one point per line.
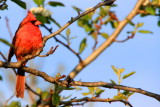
pixel 33 21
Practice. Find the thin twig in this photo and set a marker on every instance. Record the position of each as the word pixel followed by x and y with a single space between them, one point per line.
pixel 129 37
pixel 6 102
pixel 8 27
pixel 105 3
pixel 31 97
pixel 30 89
pixel 65 45
pixel 3 56
pixel 51 51
pixel 86 99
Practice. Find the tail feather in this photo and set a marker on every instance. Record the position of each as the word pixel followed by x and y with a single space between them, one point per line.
pixel 20 86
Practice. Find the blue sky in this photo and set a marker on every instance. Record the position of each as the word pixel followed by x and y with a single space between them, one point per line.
pixel 141 54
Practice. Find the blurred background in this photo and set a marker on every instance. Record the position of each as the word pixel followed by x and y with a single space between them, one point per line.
pixel 140 54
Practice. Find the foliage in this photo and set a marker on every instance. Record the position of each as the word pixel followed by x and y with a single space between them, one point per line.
pixel 124 95
pixel 93 91
pixel 92 24
pixel 3 5
pixel 5 42
pixel 1 78
pixel 20 3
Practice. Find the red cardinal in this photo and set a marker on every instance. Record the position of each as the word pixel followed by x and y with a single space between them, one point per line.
pixel 27 40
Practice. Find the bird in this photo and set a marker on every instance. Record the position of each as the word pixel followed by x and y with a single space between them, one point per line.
pixel 27 41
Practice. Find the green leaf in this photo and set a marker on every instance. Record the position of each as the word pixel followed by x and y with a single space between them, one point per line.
pixel 158 23
pixel 45 95
pixel 20 3
pixel 104 11
pixel 83 45
pixel 5 42
pixel 78 10
pixel 130 94
pixel 113 82
pixel 139 25
pixel 56 99
pixel 33 105
pixel 121 70
pixel 39 2
pixel 14 104
pixel 54 4
pixel 82 22
pixel 151 10
pixel 114 24
pixel 120 97
pixel 88 28
pixel 77 88
pixel 41 18
pixel 104 35
pixel 127 93
pixel 65 97
pixel 128 75
pixel 92 89
pixel 68 32
pixel 58 87
pixel 74 37
pixel 3 5
pixel 115 69
pixel 145 31
pixel 85 94
pixel 99 91
pixel 1 78
pixel 131 23
pixel 68 88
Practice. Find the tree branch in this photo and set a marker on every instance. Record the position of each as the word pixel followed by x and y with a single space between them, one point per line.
pixel 27 86
pixel 51 51
pixel 113 86
pixel 129 37
pixel 26 58
pixel 106 2
pixel 88 60
pixel 108 42
pixel 65 45
pixel 86 99
pixel 6 102
pixel 78 83
pixel 45 38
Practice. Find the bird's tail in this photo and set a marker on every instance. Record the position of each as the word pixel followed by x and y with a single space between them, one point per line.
pixel 20 83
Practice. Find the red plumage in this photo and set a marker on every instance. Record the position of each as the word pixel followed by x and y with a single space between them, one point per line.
pixel 27 40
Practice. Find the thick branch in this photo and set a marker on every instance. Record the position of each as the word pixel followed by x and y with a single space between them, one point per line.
pixel 88 60
pixel 27 86
pixel 78 83
pixel 108 42
pixel 113 86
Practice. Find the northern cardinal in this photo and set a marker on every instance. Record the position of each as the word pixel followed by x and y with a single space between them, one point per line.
pixel 27 40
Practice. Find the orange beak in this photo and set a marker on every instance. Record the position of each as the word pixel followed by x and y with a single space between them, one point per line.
pixel 37 23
